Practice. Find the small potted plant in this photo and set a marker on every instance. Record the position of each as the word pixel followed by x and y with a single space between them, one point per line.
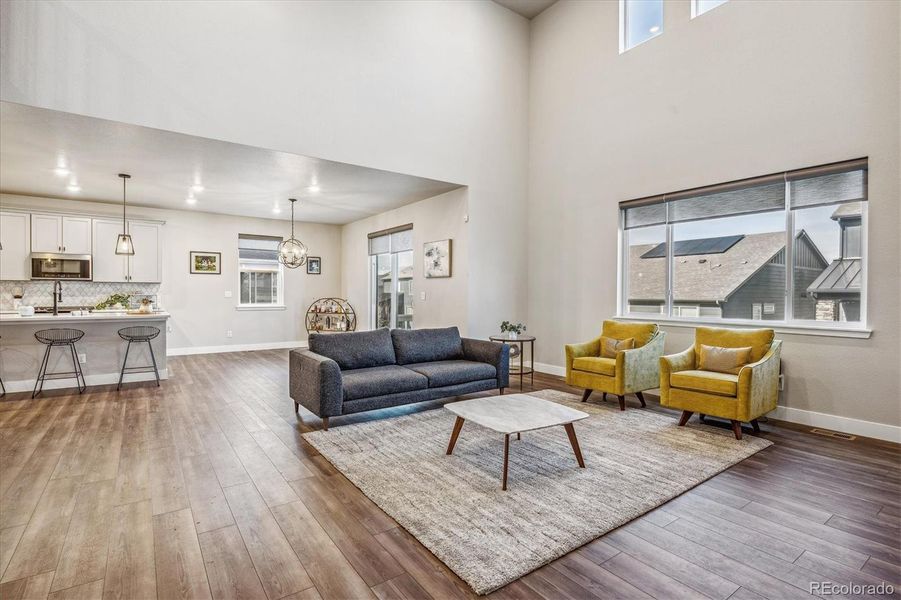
pixel 512 329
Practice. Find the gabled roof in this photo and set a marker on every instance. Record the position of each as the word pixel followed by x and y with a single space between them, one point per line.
pixel 843 276
pixel 847 211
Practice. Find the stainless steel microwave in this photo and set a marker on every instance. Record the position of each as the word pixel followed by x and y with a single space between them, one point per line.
pixel 60 266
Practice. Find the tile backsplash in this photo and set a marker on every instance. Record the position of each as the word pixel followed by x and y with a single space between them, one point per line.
pixel 75 293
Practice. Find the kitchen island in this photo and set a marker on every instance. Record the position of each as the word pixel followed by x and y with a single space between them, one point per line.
pixel 101 350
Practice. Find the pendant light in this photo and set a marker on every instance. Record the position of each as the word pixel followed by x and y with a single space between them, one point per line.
pixel 292 253
pixel 124 244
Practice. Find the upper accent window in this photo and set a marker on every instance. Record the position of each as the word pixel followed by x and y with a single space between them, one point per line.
pixel 260 272
pixel 639 21
pixel 788 248
pixel 699 7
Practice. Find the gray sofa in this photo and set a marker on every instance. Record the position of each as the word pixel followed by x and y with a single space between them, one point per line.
pixel 345 373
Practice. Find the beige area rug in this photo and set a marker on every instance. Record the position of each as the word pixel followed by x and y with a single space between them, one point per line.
pixel 635 461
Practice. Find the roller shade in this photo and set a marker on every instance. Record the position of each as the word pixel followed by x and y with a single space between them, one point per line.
pixel 829 189
pixel 396 239
pixel 645 215
pixel 756 199
pixel 262 248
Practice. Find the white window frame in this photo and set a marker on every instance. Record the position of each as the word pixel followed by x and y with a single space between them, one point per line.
pixel 279 304
pixel 695 8
pixel 622 28
pixel 858 329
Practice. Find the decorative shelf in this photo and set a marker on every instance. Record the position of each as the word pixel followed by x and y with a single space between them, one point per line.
pixel 330 315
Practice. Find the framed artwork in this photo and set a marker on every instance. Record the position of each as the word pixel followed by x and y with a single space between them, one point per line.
pixel 437 257
pixel 206 263
pixel 314 265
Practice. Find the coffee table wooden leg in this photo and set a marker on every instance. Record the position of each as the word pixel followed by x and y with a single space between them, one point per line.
pixel 506 458
pixel 571 432
pixel 458 425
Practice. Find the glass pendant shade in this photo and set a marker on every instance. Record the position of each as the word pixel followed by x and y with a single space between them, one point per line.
pixel 292 252
pixel 124 245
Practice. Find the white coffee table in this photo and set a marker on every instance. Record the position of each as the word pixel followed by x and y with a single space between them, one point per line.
pixel 515 413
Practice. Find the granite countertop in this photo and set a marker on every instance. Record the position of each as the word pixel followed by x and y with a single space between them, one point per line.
pixel 16 319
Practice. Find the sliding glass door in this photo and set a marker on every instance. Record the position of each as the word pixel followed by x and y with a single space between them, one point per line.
pixel 391 278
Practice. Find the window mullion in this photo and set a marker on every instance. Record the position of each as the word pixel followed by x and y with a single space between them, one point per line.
pixel 669 268
pixel 789 257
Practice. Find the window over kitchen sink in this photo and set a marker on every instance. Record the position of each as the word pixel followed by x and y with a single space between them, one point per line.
pixel 261 274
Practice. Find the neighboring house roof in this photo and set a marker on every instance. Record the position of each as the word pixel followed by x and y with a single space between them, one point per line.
pixel 842 277
pixel 847 210
pixel 712 277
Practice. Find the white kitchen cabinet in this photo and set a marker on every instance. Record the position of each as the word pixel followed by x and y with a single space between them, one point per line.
pixel 46 233
pixel 145 265
pixel 77 235
pixel 60 234
pixel 107 265
pixel 15 237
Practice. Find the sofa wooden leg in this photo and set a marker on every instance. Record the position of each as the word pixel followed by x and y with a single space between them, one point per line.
pixel 736 429
pixel 641 399
pixel 501 393
pixel 686 415
pixel 586 394
pixel 756 426
pixel 296 408
pixel 622 402
pixel 325 423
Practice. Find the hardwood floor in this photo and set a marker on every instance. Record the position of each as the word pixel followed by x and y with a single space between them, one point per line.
pixel 204 488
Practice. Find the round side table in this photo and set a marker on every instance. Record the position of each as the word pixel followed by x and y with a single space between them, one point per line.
pixel 521 370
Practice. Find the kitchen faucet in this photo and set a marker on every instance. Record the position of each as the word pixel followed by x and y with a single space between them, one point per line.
pixel 57 296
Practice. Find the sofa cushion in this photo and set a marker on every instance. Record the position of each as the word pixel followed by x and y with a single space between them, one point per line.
pixel 723 384
pixel 596 364
pixel 381 381
pixel 355 349
pixel 427 345
pixel 452 372
pixel 642 332
pixel 759 340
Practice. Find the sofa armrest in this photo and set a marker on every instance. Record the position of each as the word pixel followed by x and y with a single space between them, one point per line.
pixel 758 383
pixel 493 353
pixel 315 383
pixel 641 366
pixel 673 363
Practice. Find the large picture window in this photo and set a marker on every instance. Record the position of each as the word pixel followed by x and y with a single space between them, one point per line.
pixel 391 277
pixel 786 248
pixel 261 274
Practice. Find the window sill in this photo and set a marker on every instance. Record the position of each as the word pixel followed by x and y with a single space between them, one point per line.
pixel 261 307
pixel 815 330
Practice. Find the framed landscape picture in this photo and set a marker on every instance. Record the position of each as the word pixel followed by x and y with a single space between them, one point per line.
pixel 437 259
pixel 206 263
pixel 314 265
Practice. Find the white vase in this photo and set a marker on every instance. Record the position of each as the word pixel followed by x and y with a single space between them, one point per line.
pixel 512 335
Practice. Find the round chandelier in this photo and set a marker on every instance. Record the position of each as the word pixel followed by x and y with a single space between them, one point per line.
pixel 291 252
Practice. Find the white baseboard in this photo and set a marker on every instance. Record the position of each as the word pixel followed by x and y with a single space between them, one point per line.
pixel 879 431
pixel 27 385
pixel 234 348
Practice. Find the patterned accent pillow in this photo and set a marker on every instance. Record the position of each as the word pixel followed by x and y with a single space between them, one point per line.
pixel 610 346
pixel 723 360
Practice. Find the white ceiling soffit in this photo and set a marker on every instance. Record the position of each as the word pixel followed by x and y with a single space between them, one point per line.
pixel 236 179
pixel 527 8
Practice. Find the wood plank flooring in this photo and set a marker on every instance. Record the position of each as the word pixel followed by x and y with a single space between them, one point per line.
pixel 204 488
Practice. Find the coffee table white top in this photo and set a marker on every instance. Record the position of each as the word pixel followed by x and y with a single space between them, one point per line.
pixel 514 413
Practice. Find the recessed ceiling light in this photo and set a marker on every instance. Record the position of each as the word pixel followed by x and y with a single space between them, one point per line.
pixel 191 200
pixel 61 171
pixel 654 29
pixel 314 188
pixel 73 187
pixel 276 210
pixel 197 187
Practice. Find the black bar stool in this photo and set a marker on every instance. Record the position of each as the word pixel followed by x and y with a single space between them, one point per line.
pixel 59 337
pixel 139 333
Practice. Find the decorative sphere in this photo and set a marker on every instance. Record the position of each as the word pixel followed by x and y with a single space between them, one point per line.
pixel 292 253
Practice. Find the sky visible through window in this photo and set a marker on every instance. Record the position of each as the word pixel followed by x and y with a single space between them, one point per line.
pixel 644 20
pixel 816 222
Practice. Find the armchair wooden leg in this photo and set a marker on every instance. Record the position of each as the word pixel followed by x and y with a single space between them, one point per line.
pixel 736 429
pixel 622 402
pixel 586 394
pixel 756 426
pixel 325 423
pixel 296 408
pixel 701 417
pixel 686 415
pixel 604 397
pixel 641 399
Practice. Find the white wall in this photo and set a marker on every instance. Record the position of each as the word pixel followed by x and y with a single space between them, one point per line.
pixel 436 89
pixel 201 314
pixel 747 89
pixel 437 218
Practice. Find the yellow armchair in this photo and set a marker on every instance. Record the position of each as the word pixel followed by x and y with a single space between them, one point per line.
pixel 742 397
pixel 630 372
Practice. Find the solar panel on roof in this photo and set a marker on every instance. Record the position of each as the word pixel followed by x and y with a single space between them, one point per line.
pixel 716 245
